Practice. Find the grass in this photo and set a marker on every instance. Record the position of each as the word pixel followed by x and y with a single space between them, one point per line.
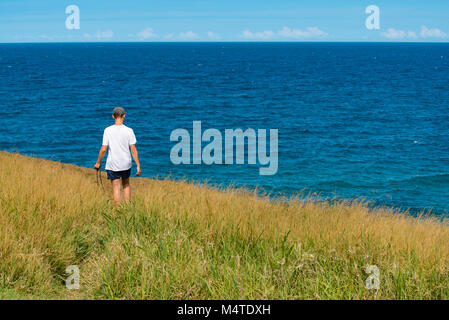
pixel 176 240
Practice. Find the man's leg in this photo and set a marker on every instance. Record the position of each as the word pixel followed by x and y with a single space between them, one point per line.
pixel 126 190
pixel 116 190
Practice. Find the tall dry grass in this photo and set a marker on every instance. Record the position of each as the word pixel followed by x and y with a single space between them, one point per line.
pixel 181 241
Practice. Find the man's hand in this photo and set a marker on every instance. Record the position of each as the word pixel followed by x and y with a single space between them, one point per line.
pixel 100 157
pixel 136 158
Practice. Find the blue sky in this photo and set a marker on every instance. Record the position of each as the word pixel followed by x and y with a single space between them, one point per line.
pixel 225 20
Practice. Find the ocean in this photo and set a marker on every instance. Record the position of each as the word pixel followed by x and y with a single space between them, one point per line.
pixel 355 120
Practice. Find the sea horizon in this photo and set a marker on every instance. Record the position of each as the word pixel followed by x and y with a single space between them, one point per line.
pixel 234 41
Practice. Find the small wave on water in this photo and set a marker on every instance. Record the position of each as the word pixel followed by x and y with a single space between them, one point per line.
pixel 437 180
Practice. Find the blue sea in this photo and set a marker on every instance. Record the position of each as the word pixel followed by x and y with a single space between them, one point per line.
pixel 355 120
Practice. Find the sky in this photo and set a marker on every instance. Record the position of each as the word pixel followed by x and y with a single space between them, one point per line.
pixel 224 20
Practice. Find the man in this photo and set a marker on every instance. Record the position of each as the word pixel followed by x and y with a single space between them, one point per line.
pixel 120 139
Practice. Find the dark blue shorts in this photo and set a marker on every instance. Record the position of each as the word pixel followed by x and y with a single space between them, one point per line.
pixel 114 175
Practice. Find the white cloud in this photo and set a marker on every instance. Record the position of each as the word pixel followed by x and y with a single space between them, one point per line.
pixel 310 32
pixel 394 34
pixel 169 36
pixel 265 35
pixel 213 35
pixel 146 34
pixel 104 34
pixel 412 35
pixel 189 35
pixel 100 35
pixel 432 33
pixel 285 32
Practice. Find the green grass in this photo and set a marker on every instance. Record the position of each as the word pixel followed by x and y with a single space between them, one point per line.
pixel 180 241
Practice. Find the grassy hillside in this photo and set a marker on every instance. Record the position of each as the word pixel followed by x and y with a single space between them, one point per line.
pixel 180 241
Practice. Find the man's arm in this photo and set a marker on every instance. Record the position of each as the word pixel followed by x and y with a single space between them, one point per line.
pixel 136 158
pixel 100 157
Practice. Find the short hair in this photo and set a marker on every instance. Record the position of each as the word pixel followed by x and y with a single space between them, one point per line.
pixel 118 112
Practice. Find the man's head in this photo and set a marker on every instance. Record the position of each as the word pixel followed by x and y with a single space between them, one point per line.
pixel 118 113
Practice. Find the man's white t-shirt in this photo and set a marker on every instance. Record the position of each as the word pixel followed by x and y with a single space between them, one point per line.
pixel 118 139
